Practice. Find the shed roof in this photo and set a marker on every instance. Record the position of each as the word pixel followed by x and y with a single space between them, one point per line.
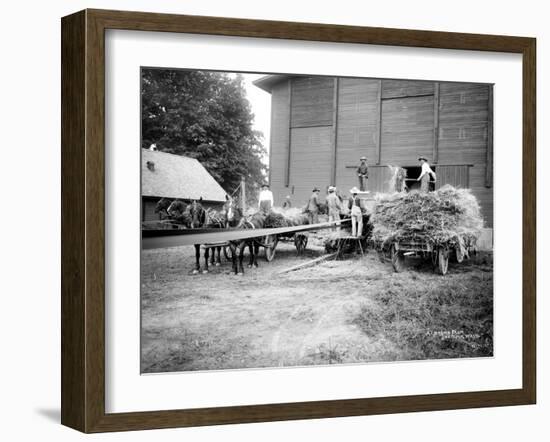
pixel 177 176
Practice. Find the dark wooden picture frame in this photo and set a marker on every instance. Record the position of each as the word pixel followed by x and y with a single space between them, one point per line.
pixel 83 220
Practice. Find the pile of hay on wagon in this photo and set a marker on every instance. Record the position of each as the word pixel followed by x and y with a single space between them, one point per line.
pixel 448 217
pixel 278 217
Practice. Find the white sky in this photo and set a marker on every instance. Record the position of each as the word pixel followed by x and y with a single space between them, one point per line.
pixel 260 101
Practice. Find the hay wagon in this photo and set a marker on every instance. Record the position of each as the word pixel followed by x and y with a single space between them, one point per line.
pixel 270 243
pixel 439 256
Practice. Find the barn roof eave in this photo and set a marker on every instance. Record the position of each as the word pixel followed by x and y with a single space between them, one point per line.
pixel 267 82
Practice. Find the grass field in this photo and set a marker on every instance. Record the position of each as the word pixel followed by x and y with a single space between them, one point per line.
pixel 350 311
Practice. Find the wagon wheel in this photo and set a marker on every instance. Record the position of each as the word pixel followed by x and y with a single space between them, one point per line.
pixel 443 260
pixel 270 242
pixel 397 259
pixel 300 241
pixel 459 255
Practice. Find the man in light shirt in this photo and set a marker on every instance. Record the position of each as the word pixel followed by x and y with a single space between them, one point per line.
pixel 425 174
pixel 334 207
pixel 354 206
pixel 265 199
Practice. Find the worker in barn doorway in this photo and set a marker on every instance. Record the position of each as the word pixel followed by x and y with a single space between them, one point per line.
pixel 425 174
pixel 334 206
pixel 312 208
pixel 354 206
pixel 265 199
pixel 363 174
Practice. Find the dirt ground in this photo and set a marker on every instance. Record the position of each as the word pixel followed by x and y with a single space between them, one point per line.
pixel 334 312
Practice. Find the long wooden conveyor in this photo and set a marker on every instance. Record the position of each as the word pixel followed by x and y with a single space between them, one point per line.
pixel 155 239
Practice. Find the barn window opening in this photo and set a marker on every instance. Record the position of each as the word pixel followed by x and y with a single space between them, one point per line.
pixel 151 166
pixel 413 173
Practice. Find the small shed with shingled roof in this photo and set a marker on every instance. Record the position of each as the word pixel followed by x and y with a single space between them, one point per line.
pixel 165 175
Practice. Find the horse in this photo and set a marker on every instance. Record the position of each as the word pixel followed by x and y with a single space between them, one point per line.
pixel 201 217
pixel 162 207
pixel 255 221
pixel 177 211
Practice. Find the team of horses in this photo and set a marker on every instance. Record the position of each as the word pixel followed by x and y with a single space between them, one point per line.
pixel 195 216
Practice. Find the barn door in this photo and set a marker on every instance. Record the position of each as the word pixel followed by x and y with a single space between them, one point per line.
pixel 379 179
pixel 456 176
pixel 310 161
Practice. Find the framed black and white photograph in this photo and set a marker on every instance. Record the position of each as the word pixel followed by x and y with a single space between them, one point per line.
pixel 381 191
pixel 288 221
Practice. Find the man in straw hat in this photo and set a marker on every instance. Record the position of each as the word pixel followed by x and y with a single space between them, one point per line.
pixel 334 206
pixel 425 174
pixel 265 199
pixel 363 173
pixel 354 205
pixel 312 208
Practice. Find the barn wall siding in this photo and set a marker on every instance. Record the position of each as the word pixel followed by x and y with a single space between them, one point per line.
pixel 280 114
pixel 405 88
pixel 312 100
pixel 379 179
pixel 357 128
pixel 463 136
pixel 311 161
pixel 410 126
pixel 407 129
pixel 456 176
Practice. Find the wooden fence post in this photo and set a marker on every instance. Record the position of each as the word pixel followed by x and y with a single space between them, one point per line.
pixel 243 195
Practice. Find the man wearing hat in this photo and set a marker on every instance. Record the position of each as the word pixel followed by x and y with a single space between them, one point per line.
pixel 265 199
pixel 334 206
pixel 425 174
pixel 354 205
pixel 363 173
pixel 312 207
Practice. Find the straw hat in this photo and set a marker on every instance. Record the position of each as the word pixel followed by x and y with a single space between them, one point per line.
pixel 363 158
pixel 354 190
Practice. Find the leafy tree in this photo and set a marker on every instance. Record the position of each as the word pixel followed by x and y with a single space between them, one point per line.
pixel 203 115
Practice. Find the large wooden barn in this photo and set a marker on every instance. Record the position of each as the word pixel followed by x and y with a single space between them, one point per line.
pixel 164 175
pixel 321 126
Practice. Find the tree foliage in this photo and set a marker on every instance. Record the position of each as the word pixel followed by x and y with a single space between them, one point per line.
pixel 203 115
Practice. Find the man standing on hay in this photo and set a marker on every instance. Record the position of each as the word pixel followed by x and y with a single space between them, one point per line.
pixel 363 173
pixel 425 174
pixel 265 199
pixel 354 205
pixel 334 206
pixel 312 208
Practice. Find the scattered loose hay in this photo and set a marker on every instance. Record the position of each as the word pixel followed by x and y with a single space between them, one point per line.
pixel 433 320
